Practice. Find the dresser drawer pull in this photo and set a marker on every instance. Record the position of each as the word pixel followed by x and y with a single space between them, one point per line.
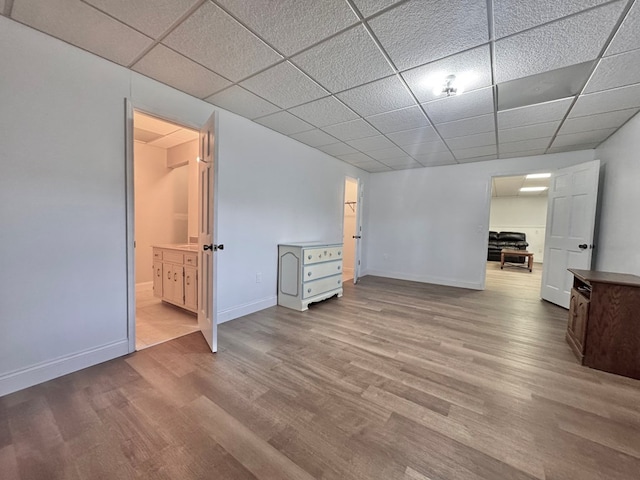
pixel 309 274
pixel 338 267
pixel 309 257
pixel 339 252
pixel 308 290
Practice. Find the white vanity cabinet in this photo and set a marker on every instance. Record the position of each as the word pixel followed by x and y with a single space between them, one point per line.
pixel 308 272
pixel 175 275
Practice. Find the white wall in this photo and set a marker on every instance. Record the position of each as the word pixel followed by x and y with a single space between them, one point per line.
pixel 618 240
pixel 431 225
pixel 522 214
pixel 63 289
pixel 161 195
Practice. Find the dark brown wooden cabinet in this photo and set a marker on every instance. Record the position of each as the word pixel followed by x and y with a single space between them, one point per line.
pixel 604 321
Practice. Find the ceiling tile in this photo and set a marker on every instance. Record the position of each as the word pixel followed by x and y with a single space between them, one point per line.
pixel 153 124
pixel 512 16
pixel 457 107
pixel 469 141
pixel 398 120
pixel 615 71
pixel 466 153
pixel 151 17
pixel 406 30
pixel 355 158
pixel 532 114
pixel 581 36
pixel 594 122
pixel 314 138
pixel 373 167
pixel 369 7
pixel 526 153
pixel 337 149
pixel 414 136
pixel 204 37
pixel 351 130
pixel 323 112
pixel 524 145
pixel 627 36
pixel 378 97
pixel 285 123
pixel 371 143
pixel 79 24
pixel 573 148
pixel 285 86
pixel 178 137
pixel 144 136
pixel 403 163
pixel 387 153
pixel 345 61
pixel 467 126
pixel 582 138
pixel 238 100
pixel 436 159
pixel 528 132
pixel 607 101
pixel 426 148
pixel 471 68
pixel 292 25
pixel 482 158
pixel 167 66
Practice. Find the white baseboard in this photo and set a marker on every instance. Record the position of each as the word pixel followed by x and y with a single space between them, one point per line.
pixel 144 286
pixel 425 279
pixel 27 377
pixel 246 309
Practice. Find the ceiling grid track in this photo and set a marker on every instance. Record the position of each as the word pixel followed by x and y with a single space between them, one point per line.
pixel 492 60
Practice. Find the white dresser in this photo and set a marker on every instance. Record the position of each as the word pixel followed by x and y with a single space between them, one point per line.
pixel 308 272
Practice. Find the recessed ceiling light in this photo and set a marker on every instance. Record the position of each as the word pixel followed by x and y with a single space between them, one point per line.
pixel 533 189
pixel 539 175
pixel 449 84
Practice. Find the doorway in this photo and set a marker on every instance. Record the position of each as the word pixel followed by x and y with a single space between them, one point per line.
pixel 351 231
pixel 165 175
pixel 517 221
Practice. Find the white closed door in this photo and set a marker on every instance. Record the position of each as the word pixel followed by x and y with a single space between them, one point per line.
pixel 206 234
pixel 571 213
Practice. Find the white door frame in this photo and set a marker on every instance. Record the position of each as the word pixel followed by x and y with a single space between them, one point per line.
pixel 358 215
pixel 130 212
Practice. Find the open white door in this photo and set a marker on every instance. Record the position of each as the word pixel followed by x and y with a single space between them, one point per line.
pixel 571 213
pixel 358 234
pixel 206 232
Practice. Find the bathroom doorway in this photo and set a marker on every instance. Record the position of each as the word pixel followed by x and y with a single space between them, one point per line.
pixel 352 230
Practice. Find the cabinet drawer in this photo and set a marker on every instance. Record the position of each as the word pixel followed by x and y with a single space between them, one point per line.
pixel 173 257
pixel 157 254
pixel 191 259
pixel 321 270
pixel 317 255
pixel 317 287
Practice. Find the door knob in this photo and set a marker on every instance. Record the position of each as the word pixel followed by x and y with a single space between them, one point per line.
pixel 357 236
pixel 583 246
pixel 218 247
pixel 208 247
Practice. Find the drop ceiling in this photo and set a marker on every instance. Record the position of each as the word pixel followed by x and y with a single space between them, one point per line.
pixel 355 78
pixel 160 133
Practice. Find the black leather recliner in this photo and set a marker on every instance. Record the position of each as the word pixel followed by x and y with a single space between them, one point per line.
pixel 510 240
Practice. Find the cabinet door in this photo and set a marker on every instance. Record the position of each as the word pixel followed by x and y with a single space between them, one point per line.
pixel 157 279
pixel 178 285
pixel 167 281
pixel 191 287
pixel 581 319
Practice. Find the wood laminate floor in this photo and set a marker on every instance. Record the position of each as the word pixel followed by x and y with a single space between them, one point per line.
pixel 395 380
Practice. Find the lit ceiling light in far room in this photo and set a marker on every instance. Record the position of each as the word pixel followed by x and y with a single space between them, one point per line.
pixel 538 175
pixel 533 189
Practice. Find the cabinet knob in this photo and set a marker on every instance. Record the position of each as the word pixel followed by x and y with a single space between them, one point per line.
pixel 309 257
pixel 308 290
pixel 339 252
pixel 309 274
pixel 338 267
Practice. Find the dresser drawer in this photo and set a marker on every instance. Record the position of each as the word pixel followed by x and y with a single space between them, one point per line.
pixel 318 287
pixel 157 254
pixel 325 254
pixel 191 259
pixel 321 270
pixel 173 257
